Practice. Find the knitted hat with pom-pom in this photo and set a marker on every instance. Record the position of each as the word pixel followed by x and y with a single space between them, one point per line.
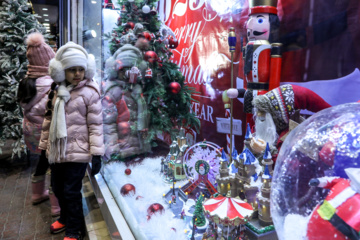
pixel 38 54
pixel 283 101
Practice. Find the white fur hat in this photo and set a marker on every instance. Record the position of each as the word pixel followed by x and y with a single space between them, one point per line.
pixel 71 55
pixel 126 56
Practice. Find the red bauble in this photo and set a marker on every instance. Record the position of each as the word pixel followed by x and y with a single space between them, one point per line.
pixel 128 171
pixel 174 87
pixel 128 190
pixel 130 25
pixel 173 43
pixel 147 35
pixel 151 56
pixel 155 208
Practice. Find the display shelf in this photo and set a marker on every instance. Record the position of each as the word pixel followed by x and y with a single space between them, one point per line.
pixel 114 218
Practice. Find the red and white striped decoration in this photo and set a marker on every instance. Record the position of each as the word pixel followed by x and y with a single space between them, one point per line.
pixel 227 115
pixel 229 211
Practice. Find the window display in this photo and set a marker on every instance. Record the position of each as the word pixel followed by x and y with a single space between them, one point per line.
pixel 165 68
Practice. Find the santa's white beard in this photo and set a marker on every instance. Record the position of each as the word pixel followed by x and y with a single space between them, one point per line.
pixel 266 130
pixel 202 171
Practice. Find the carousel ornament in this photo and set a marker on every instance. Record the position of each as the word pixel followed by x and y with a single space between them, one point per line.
pixel 229 214
pixel 148 73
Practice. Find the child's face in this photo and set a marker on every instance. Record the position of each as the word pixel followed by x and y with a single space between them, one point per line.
pixel 74 75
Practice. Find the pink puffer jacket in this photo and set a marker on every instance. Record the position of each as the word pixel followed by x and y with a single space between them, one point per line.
pixel 34 112
pixel 84 124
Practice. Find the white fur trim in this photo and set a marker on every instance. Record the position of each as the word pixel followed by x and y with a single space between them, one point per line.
pixel 91 67
pixel 56 70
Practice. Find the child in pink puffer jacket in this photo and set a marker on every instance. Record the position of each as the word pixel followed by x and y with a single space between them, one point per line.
pixel 32 96
pixel 72 133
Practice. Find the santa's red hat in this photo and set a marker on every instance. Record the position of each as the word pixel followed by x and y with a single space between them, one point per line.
pixel 283 101
pixel 202 165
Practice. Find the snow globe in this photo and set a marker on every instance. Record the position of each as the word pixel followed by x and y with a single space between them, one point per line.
pixel 316 180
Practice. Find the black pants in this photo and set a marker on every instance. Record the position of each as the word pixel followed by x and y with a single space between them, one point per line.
pixel 66 180
pixel 42 165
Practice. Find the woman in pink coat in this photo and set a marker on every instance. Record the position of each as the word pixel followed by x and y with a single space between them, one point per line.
pixel 72 133
pixel 32 96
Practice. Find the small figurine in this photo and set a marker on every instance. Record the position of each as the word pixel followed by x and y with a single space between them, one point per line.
pixel 338 215
pixel 182 214
pixel 173 198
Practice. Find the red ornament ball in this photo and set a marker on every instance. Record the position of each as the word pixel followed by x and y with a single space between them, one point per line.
pixel 174 87
pixel 151 56
pixel 128 190
pixel 128 171
pixel 173 43
pixel 155 208
pixel 129 25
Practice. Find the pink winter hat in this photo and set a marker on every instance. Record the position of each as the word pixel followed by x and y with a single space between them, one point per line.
pixel 38 54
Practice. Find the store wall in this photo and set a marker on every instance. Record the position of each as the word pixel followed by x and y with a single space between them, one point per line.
pixel 321 51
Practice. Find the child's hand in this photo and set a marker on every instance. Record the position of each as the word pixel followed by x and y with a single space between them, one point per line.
pixel 96 165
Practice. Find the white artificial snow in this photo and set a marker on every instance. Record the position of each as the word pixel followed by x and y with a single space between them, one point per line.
pixel 150 186
pixel 294 227
pixel 258 170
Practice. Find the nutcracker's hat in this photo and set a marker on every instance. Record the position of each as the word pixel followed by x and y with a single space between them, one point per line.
pixel 354 176
pixel 263 6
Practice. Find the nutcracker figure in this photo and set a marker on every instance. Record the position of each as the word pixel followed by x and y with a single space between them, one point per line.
pixel 338 216
pixel 261 55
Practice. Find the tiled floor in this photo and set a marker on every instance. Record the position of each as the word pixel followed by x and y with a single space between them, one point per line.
pixel 19 219
pixel 95 223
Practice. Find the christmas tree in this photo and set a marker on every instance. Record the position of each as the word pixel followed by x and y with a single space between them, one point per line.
pixel 199 212
pixel 16 22
pixel 168 99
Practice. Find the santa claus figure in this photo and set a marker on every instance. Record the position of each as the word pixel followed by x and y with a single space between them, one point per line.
pixel 274 110
pixel 338 216
pixel 202 169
